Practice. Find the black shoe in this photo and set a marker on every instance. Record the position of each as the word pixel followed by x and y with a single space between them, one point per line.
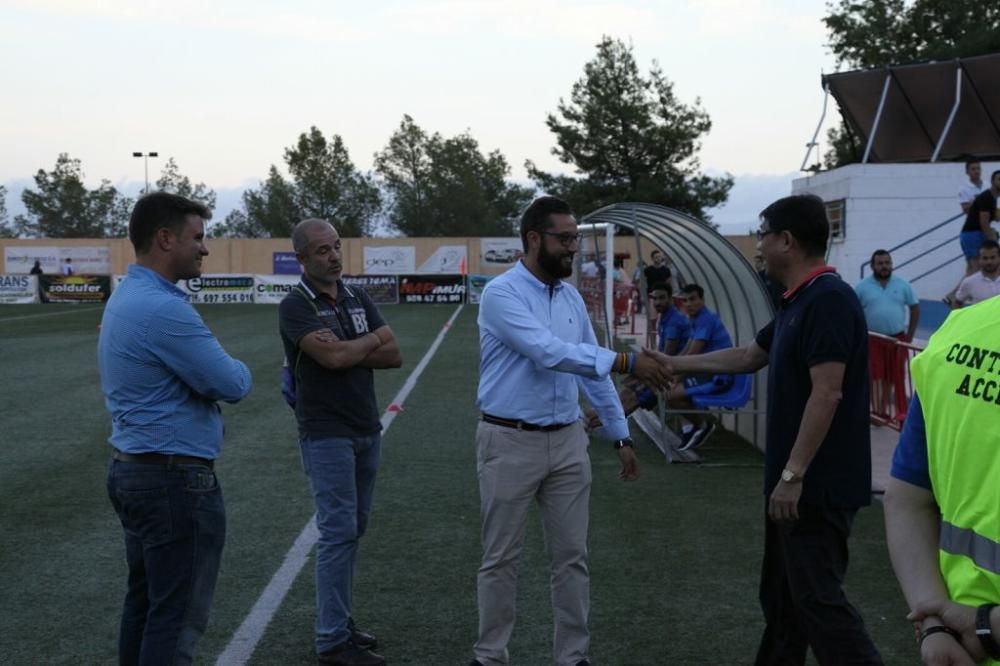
pixel 361 638
pixel 706 433
pixel 686 438
pixel 349 654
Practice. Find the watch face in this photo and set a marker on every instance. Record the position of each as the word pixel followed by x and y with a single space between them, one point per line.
pixel 787 476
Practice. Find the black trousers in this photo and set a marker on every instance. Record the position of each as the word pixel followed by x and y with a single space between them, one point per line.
pixel 802 596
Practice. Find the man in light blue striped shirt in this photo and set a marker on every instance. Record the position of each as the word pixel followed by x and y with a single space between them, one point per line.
pixel 163 373
pixel 537 352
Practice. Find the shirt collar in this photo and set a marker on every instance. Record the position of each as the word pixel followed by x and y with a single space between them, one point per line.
pixel 806 281
pixel 528 276
pixel 314 293
pixel 143 273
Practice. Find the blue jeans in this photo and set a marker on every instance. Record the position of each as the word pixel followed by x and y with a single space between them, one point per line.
pixel 341 473
pixel 175 527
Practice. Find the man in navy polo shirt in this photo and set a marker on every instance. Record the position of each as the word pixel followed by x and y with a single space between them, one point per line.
pixel 817 467
pixel 334 337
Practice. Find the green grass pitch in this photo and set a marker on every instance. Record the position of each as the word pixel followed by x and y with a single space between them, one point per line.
pixel 675 556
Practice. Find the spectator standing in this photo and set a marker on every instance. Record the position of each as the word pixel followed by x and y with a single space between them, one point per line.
pixel 885 299
pixel 976 229
pixel 659 271
pixel 163 373
pixel 335 337
pixel 973 187
pixel 67 267
pixel 36 269
pixel 985 283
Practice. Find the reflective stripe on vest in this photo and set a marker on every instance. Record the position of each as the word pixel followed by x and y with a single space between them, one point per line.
pixel 984 552
pixel 958 380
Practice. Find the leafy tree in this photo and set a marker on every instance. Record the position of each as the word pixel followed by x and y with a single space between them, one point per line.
pixel 63 206
pixel 324 183
pixel 630 138
pixel 441 186
pixel 172 181
pixel 268 212
pixel 5 230
pixel 866 34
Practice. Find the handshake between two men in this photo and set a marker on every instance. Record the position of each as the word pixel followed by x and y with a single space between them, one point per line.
pixel 653 372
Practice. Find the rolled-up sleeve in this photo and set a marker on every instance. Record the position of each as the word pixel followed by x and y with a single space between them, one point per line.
pixel 180 339
pixel 506 317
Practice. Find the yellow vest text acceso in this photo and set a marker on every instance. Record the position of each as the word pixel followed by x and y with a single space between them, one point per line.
pixel 958 380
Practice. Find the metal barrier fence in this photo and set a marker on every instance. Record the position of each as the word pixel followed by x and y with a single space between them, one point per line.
pixel 624 303
pixel 891 384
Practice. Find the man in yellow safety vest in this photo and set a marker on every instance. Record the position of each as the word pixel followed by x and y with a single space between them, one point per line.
pixel 942 503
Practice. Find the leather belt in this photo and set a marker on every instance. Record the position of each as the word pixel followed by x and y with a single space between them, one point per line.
pixel 169 460
pixel 523 425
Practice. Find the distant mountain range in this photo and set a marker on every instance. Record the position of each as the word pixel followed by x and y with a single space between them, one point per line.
pixel 751 193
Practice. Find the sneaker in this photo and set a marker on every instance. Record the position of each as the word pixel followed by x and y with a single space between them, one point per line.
pixel 686 438
pixel 699 437
pixel 349 654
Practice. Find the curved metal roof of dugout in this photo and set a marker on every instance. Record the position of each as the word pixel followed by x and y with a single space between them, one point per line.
pixel 703 256
pixel 700 255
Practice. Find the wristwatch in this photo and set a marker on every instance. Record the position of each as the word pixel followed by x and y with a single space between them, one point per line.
pixel 985 632
pixel 788 476
pixel 622 443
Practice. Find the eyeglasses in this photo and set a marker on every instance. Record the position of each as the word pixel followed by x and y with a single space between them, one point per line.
pixel 566 239
pixel 763 232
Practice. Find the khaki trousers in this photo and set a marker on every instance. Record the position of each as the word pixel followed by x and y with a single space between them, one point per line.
pixel 516 467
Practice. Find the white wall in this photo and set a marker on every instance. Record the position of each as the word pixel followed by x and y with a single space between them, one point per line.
pixel 887 204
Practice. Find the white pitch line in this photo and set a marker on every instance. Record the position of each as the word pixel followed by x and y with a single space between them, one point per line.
pixel 243 643
pixel 50 314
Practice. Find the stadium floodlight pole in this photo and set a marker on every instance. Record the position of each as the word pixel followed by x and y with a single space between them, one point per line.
pixel 145 159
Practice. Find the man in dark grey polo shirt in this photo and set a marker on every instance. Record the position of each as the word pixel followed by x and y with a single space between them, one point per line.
pixel 334 337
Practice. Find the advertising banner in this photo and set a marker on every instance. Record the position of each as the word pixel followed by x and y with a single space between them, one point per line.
pixel 272 288
pixel 499 252
pixel 477 283
pixel 74 288
pixel 285 263
pixel 116 280
pixel 86 260
pixel 384 289
pixel 219 288
pixel 18 289
pixel 390 259
pixel 431 288
pixel 447 259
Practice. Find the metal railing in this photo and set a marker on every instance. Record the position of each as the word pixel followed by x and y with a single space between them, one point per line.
pixel 891 385
pixel 950 239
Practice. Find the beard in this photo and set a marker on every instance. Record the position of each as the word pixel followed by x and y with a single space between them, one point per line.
pixel 884 274
pixel 555 264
